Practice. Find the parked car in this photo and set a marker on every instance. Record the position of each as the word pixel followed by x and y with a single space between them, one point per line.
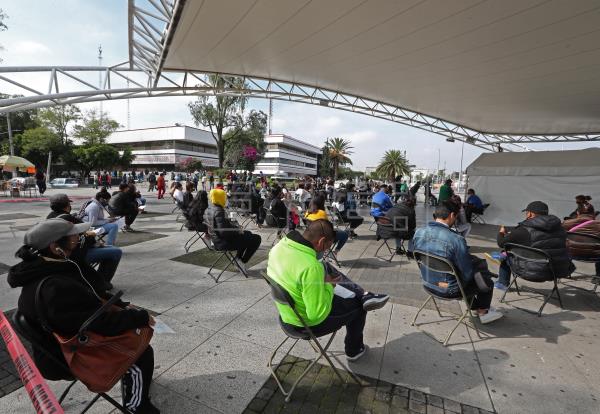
pixel 64 183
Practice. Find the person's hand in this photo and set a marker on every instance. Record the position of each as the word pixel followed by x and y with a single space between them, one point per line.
pixel 502 230
pixel 90 233
pixel 151 320
pixel 333 279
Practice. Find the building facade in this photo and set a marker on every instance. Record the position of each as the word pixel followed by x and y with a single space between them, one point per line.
pixel 163 148
pixel 288 156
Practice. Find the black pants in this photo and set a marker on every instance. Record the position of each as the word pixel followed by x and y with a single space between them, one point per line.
pixel 469 210
pixel 135 384
pixel 131 216
pixel 246 245
pixel 41 186
pixel 348 313
pixel 354 219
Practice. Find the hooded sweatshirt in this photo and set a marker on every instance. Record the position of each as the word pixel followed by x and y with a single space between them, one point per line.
pixel 68 301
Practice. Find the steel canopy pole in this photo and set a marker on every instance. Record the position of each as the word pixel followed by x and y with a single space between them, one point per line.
pixel 10 137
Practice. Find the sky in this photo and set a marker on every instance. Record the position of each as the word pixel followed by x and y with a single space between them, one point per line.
pixel 68 32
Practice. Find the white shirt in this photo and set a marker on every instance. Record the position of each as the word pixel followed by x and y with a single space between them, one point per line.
pixel 178 195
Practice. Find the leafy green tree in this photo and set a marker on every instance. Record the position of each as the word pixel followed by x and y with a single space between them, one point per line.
pixel 325 162
pixel 339 153
pixel 36 143
pixel 95 127
pixel 221 112
pixel 3 27
pixel 19 122
pixel 392 164
pixel 58 119
pixel 251 135
pixel 100 157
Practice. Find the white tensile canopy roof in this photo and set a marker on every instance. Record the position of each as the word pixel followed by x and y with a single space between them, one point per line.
pixel 509 67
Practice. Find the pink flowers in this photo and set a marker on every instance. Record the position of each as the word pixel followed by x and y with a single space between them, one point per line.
pixel 249 152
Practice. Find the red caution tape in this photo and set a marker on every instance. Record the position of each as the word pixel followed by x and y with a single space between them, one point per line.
pixel 43 399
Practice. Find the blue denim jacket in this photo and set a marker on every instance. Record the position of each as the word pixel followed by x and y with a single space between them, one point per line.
pixel 438 239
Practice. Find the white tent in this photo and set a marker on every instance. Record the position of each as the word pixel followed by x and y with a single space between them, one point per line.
pixel 509 181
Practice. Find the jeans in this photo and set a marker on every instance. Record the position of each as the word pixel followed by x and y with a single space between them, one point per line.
pixel 108 259
pixel 341 237
pixel 482 299
pixel 504 273
pixel 246 245
pixel 111 229
pixel 349 313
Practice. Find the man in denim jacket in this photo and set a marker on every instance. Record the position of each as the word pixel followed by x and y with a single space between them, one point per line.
pixel 437 238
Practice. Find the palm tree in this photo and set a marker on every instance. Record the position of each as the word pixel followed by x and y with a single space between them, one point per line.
pixel 339 151
pixel 392 164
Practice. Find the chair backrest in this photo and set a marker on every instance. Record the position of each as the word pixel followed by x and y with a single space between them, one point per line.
pixel 485 206
pixel 529 263
pixel 527 253
pixel 279 294
pixel 435 263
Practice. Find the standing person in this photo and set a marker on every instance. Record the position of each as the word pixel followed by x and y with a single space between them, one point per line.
pixel 108 180
pixel 160 185
pixel 446 191
pixel 40 181
pixel 211 180
pixel 151 182
pixel 204 181
pixel 195 181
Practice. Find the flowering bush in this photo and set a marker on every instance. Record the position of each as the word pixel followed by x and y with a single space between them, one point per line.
pixel 249 152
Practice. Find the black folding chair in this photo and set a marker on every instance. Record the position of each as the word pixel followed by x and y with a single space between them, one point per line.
pixel 431 262
pixel 478 217
pixel 282 297
pixel 585 242
pixel 228 254
pixel 400 223
pixel 35 335
pixel 281 230
pixel 338 219
pixel 524 254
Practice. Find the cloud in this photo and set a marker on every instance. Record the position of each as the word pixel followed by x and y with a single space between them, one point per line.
pixel 29 47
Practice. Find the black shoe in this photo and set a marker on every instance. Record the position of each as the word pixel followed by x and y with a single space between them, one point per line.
pixel 374 301
pixel 147 408
pixel 360 353
pixel 400 251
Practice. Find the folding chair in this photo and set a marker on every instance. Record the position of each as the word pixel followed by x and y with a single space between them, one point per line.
pixel 478 217
pixel 228 254
pixel 516 252
pixel 337 219
pixel 385 223
pixel 281 231
pixel 434 263
pixel 36 337
pixel 282 297
pixel 585 242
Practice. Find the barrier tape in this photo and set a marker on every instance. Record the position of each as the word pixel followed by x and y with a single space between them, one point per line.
pixel 43 399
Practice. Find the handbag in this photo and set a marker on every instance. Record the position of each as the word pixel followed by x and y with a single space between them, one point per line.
pixel 98 361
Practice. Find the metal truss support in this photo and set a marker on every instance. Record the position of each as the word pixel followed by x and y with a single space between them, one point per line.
pixel 74 84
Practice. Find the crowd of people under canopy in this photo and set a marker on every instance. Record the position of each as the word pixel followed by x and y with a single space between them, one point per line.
pixel 307 219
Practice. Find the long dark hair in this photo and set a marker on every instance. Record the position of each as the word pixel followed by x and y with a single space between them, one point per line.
pixel 316 203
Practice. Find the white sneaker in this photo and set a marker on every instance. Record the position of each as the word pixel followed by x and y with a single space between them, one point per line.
pixel 491 316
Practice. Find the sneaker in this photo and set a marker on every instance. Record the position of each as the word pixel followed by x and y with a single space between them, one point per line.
pixel 147 408
pixel 374 301
pixel 491 316
pixel 356 357
pixel 500 286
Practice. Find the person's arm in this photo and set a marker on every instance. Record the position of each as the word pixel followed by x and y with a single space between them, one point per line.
pixel 463 260
pixel 519 235
pixel 93 212
pixel 316 294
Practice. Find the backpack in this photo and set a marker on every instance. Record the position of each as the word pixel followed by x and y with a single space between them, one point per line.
pixel 81 214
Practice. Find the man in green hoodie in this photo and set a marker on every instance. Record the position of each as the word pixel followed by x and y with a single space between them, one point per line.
pixel 325 298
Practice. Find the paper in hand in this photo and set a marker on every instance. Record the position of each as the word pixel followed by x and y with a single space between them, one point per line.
pixel 162 328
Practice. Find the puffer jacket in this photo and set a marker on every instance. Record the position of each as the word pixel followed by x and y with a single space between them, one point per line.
pixel 224 230
pixel 581 247
pixel 546 233
pixel 403 228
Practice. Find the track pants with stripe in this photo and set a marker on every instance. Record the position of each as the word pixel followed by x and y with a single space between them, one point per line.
pixel 135 384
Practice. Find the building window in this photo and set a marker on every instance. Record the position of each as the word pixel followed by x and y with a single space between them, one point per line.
pixel 167 145
pixel 288 148
pixel 287 161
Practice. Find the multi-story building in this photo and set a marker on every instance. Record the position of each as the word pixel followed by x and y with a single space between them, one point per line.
pixel 287 156
pixel 163 148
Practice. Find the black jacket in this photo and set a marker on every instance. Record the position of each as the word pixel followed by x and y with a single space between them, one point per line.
pixel 403 228
pixel 68 301
pixel 279 211
pixel 195 215
pixel 122 203
pixel 544 233
pixel 224 229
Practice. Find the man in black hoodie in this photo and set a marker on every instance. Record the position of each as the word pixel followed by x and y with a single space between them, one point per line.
pixel 70 295
pixel 542 231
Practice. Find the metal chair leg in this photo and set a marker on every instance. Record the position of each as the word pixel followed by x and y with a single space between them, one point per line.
pixel 115 404
pixel 89 405
pixel 413 323
pixel 436 307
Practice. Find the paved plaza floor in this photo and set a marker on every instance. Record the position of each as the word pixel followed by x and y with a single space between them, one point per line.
pixel 223 334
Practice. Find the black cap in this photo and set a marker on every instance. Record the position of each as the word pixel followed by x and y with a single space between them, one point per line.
pixel 59 199
pixel 537 207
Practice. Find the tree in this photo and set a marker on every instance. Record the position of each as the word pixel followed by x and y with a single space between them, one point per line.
pixel 3 27
pixel 325 162
pixel 238 154
pixel 392 164
pixel 100 157
pixel 58 118
pixel 190 164
pixel 36 143
pixel 95 128
pixel 19 122
pixel 339 151
pixel 221 112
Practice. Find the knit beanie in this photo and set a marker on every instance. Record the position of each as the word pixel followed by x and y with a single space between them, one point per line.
pixel 218 197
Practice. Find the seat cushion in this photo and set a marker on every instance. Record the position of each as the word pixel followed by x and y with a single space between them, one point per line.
pixel 292 331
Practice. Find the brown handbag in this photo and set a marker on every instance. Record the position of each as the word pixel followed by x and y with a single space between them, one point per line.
pixel 96 360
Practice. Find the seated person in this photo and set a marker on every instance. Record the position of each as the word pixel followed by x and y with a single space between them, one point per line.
pixel 94 214
pixel 293 264
pixel 316 211
pixel 438 238
pixel 177 193
pixel 473 204
pixel 278 209
pixel 462 226
pixel 228 236
pixel 123 203
pixel 542 231
pixel 91 251
pixel 399 222
pixel 583 207
pixel 587 224
pixel 381 202
pixel 195 213
pixel 69 297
